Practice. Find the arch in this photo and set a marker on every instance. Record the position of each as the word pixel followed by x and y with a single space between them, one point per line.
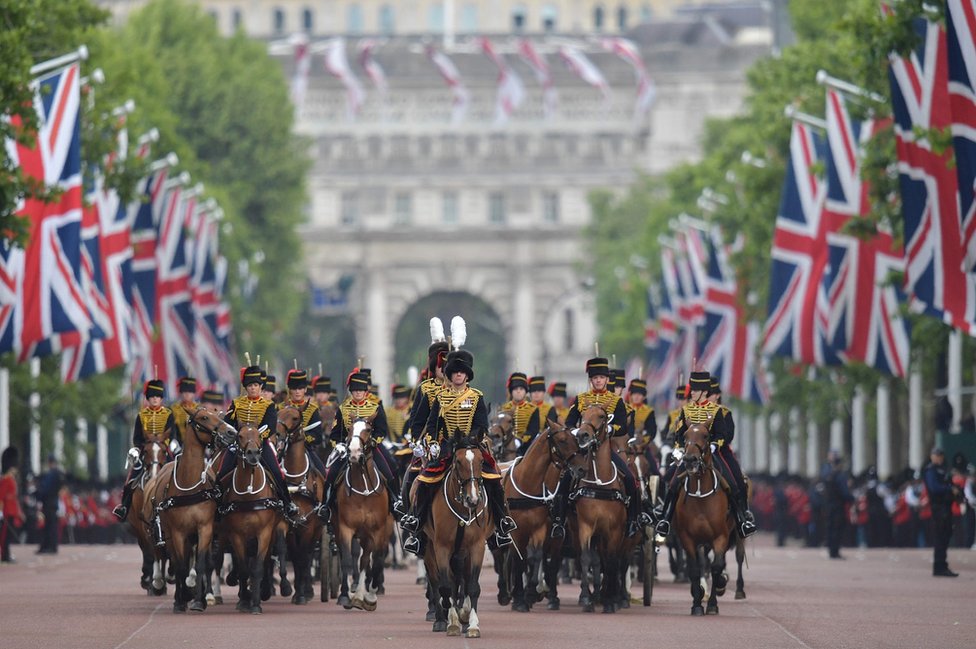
pixel 485 340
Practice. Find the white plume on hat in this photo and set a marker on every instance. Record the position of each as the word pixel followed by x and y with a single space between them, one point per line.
pixel 459 331
pixel 437 331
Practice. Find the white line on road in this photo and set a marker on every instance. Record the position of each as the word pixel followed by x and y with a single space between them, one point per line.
pixel 136 632
pixel 782 628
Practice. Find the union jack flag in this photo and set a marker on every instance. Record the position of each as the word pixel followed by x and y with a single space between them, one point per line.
pixel 934 249
pixel 796 324
pixel 864 320
pixel 41 292
pixel 650 327
pixel 674 339
pixel 961 25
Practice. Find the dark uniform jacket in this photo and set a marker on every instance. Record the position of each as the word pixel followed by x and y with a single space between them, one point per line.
pixel 396 420
pixel 611 402
pixel 245 411
pixel 526 421
pixel 422 402
pixel 645 424
pixel 182 418
pixel 350 411
pixel 939 487
pixel 153 424
pixel 310 415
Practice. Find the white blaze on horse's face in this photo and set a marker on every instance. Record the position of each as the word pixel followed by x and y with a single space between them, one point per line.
pixel 474 493
pixel 356 444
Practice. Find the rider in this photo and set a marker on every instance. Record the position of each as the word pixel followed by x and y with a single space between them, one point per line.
pixel 525 415
pixel 537 394
pixel 322 390
pixel 598 370
pixel 154 424
pixel 699 410
pixel 269 389
pixel 358 405
pixel 297 382
pixel 254 410
pixel 213 400
pixel 644 422
pixel 458 411
pixel 558 393
pixel 727 457
pixel 398 415
pixel 187 387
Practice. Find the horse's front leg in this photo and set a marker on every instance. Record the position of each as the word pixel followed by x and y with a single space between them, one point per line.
pixel 587 566
pixel 693 566
pixel 719 579
pixel 281 551
pixel 552 561
pixel 348 567
pixel 471 602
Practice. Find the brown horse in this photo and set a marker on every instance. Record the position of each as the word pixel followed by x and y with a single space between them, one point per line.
pixel 307 487
pixel 251 513
pixel 458 527
pixel 530 486
pixel 184 497
pixel 600 516
pixel 153 456
pixel 363 511
pixel 501 436
pixel 702 518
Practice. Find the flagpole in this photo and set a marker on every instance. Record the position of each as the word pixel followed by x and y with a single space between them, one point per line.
pixel 805 118
pixel 954 387
pixel 4 408
pixel 35 426
pixel 80 54
pixel 847 88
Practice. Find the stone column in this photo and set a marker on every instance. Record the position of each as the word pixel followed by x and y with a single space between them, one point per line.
pixel 81 442
pixel 884 431
pixel 760 449
pixel 916 450
pixel 379 347
pixel 776 463
pixel 954 388
pixel 35 427
pixel 792 438
pixel 837 442
pixel 745 441
pixel 4 408
pixel 526 342
pixel 813 448
pixel 101 452
pixel 859 433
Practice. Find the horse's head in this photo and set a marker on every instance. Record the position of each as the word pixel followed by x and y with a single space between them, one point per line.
pixel 501 432
pixel 153 453
pixel 360 440
pixel 249 441
pixel 327 413
pixel 698 454
pixel 209 427
pixel 467 471
pixel 593 428
pixel 289 426
pixel 564 449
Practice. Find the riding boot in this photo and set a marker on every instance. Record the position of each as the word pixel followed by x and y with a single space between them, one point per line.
pixel 122 509
pixel 504 524
pixel 560 507
pixel 324 511
pixel 414 520
pixel 744 518
pixel 401 503
pixel 663 527
pixel 633 515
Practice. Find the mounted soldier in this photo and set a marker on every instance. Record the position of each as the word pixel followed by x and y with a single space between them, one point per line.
pixel 213 400
pixel 187 388
pixel 699 410
pixel 153 424
pixel 252 409
pixel 359 406
pixel 398 414
pixel 459 411
pixel 598 370
pixel 537 395
pixel 644 422
pixel 322 391
pixel 297 383
pixel 525 415
pixel 558 393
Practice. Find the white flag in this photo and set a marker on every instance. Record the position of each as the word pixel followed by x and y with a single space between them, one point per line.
pixel 338 66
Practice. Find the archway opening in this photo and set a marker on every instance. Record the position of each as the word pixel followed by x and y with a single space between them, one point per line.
pixel 485 340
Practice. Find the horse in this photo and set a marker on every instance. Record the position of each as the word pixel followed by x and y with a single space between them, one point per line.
pixel 648 484
pixel 458 527
pixel 184 497
pixel 501 436
pixel 251 513
pixel 600 516
pixel 152 455
pixel 530 486
pixel 363 512
pixel 702 518
pixel 308 489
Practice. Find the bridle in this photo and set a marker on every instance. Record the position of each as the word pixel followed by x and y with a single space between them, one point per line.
pixel 595 440
pixel 506 435
pixel 476 482
pixel 561 462
pixel 224 437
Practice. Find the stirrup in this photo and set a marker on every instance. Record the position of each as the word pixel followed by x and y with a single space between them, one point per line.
pixel 633 528
pixel 506 525
pixel 663 528
pixel 121 511
pixel 412 545
pixel 324 513
pixel 410 523
pixel 747 528
pixel 501 540
pixel 398 511
pixel 644 519
pixel 558 531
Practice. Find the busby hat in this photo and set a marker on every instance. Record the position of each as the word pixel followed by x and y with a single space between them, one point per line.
pixel 374 389
pixel 401 391
pixel 213 396
pixel 368 372
pixel 460 360
pixel 357 381
pixel 297 379
pixel 638 386
pixel 713 386
pixel 617 379
pixel 186 384
pixel 270 383
pixel 679 392
pixel 557 389
pixel 252 374
pixel 322 384
pixel 537 384
pixel 154 388
pixel 9 459
pixel 437 352
pixel 517 380
pixel 700 381
pixel 598 367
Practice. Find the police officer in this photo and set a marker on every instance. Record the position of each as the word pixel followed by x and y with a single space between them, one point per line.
pixel 837 494
pixel 458 411
pixel 942 493
pixel 154 423
pixel 598 370
pixel 252 409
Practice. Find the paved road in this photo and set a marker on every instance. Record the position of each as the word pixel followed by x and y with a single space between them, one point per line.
pixel 87 597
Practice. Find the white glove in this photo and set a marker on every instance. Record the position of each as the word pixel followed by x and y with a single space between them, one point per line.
pixel 632 441
pixel 713 448
pixel 435 450
pixel 418 450
pixel 174 446
pixel 134 453
pixel 677 454
pixel 340 450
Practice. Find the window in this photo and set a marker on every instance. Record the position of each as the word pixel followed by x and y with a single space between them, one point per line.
pixel 279 21
pixel 387 20
pixel 354 19
pixel 496 208
pixel 519 18
pixel 550 14
pixel 350 209
pixel 449 208
pixel 435 17
pixel 308 20
pixel 598 18
pixel 647 13
pixel 569 322
pixel 402 208
pixel 469 17
pixel 622 18
pixel 550 207
pixel 235 19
